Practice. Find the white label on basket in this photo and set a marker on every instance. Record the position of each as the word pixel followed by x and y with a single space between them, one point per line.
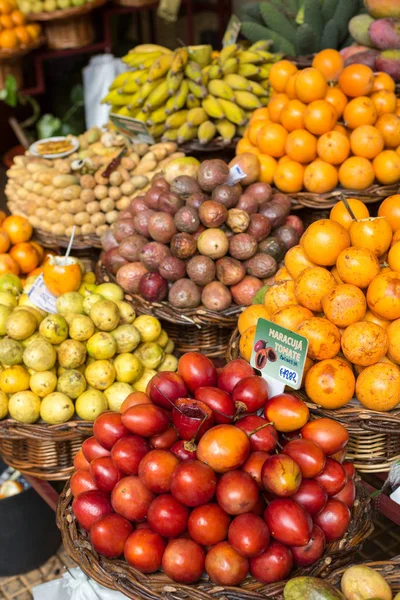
pixel 396 496
pixel 40 296
pixel 235 175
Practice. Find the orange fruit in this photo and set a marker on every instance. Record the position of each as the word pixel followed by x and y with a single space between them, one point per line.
pixel 296 261
pixel 323 338
pixel 394 257
pixel 4 242
pixel 333 147
pixel 378 387
pixel 383 295
pixel 26 256
pixel 280 73
pixel 250 316
pixel 396 235
pixel 387 167
pixel 280 295
pixel 383 81
pixel 364 343
pixel 268 167
pixel 6 7
pixel 320 177
pixel 330 383
pixel 335 96
pixel 34 30
pixel 246 342
pixel 330 63
pixel 290 89
pixel 385 102
pixel 360 111
pixel 292 115
pixel 340 214
pixel 366 141
pixel 312 285
pixel 260 114
pixel 8 265
pixel 335 275
pixel 291 316
pixel 369 316
pixel 393 332
pixel 356 80
pixel 276 105
pixel 244 145
pixel 6 21
pixel 283 275
pixel 324 240
pixel 60 278
pixel 341 129
pixel 271 139
pixel 18 17
pixel 283 159
pixel 374 233
pixel 320 117
pixel 390 208
pixel 301 146
pixel 345 304
pixel 18 229
pixel 289 177
pixel 356 173
pixel 310 85
pixel 8 39
pixel 253 131
pixel 358 266
pixel 23 35
pixel 389 126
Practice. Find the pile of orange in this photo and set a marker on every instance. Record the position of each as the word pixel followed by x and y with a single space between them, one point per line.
pixel 340 288
pixel 14 30
pixel 326 126
pixel 18 253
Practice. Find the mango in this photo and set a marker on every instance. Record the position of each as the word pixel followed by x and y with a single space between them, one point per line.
pixel 389 62
pixel 362 583
pixel 383 8
pixel 310 588
pixel 385 34
pixel 358 28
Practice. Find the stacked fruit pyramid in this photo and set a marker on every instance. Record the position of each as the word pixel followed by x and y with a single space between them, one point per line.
pixel 340 289
pixel 176 478
pixel 193 93
pixel 316 133
pixel 15 32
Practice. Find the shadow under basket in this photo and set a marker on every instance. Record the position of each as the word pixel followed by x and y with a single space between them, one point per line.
pixel 41 450
pixel 374 442
pixel 119 575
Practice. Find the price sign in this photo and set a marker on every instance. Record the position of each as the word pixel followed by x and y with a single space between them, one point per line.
pixel 132 128
pixel 40 296
pixel 280 355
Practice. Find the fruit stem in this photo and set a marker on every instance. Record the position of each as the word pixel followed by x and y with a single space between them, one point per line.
pixel 348 208
pixel 168 400
pixel 260 427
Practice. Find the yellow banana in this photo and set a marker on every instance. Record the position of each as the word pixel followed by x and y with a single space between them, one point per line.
pixel 228 52
pixel 140 77
pixel 177 119
pixel 193 72
pixel 267 56
pixel 120 80
pixel 130 88
pixel 137 59
pixel 212 107
pixel 141 116
pixel 151 48
pixel 117 99
pixel 160 67
pixel 198 90
pixel 247 100
pixel 158 96
pixel 215 72
pixel 230 66
pixel 181 96
pixel 248 70
pixel 179 61
pixel 192 101
pixel 252 58
pixel 171 135
pixel 124 111
pixel 157 116
pixel 256 88
pixel 264 72
pixel 174 81
pixel 237 82
pixel 157 130
pixel 196 116
pixel 232 112
pixel 260 45
pixel 220 89
pixel 186 133
pixel 226 129
pixel 241 130
pixel 142 93
pixel 206 132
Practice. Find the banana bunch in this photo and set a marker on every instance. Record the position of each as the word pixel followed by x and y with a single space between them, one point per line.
pixel 193 93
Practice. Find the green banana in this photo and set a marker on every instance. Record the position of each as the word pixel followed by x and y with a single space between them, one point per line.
pixel 157 96
pixel 206 132
pixel 160 67
pixel 260 45
pixel 157 116
pixel 194 72
pixel 186 133
pixel 181 95
pixel 192 101
pixel 232 112
pixel 226 129
pixel 174 81
pixel 180 59
pixel 237 82
pixel 198 90
pixel 247 100
pixel 227 52
pixel 230 66
pixel 196 116
pixel 213 107
pixel 177 119
pixel 171 135
pixel 220 89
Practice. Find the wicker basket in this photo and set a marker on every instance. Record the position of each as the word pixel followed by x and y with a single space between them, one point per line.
pixel 68 28
pixel 389 569
pixel 118 575
pixel 198 329
pixel 374 442
pixel 81 242
pixel 374 193
pixel 41 450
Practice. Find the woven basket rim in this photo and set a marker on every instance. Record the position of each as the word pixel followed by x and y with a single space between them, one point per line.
pixel 74 429
pixel 188 316
pixel 374 193
pixel 118 575
pixel 390 569
pixel 81 242
pixel 66 13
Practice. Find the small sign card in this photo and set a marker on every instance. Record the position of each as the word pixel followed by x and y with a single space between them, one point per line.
pixel 40 296
pixel 280 355
pixel 232 31
pixel 132 128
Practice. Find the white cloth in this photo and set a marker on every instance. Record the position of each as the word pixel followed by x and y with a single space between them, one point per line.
pixel 98 75
pixel 74 585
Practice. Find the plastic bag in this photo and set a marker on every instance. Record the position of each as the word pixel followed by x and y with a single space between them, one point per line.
pixel 97 78
pixel 74 585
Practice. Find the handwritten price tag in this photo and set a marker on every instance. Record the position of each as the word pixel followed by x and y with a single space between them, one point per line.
pixel 288 375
